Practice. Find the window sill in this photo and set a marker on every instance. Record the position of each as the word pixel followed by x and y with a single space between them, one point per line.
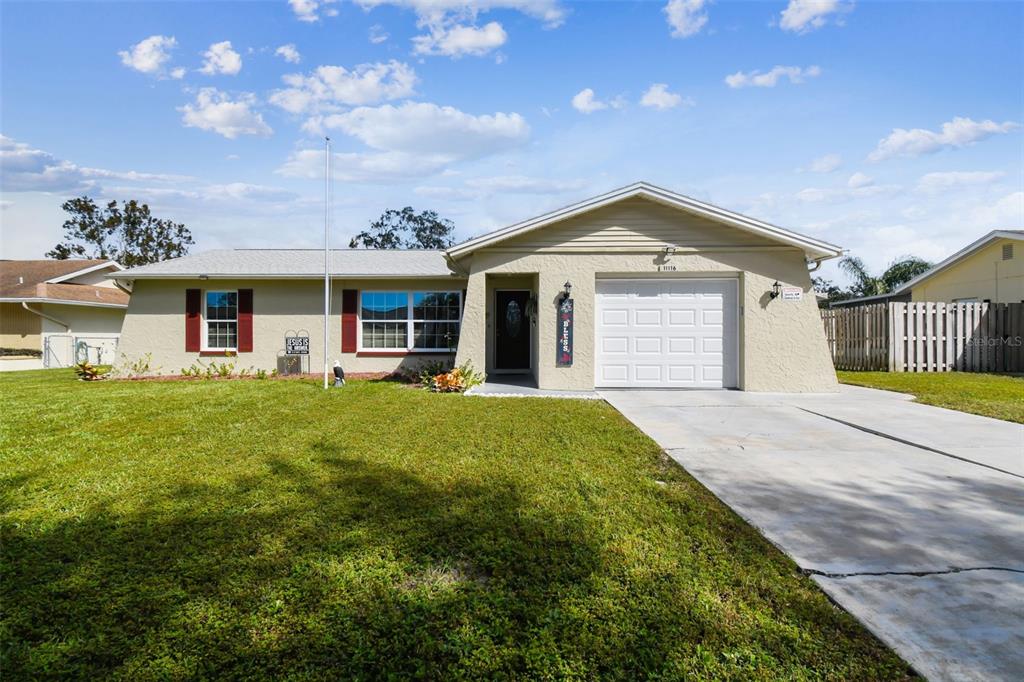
pixel 217 353
pixel 398 353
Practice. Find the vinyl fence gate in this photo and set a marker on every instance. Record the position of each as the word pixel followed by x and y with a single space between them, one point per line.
pixel 927 337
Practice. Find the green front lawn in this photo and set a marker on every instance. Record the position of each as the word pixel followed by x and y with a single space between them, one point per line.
pixel 990 395
pixel 270 529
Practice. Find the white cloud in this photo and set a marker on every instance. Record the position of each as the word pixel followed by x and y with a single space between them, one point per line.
pixel 803 16
pixel 960 132
pixel 435 12
pixel 221 59
pixel 327 87
pixel 770 79
pixel 289 53
pixel 150 56
pixel 26 169
pixel 178 73
pixel 934 183
pixel 825 164
pixel 216 111
pixel 584 102
pixel 458 40
pixel 451 25
pixel 859 180
pixel 658 97
pixel 859 186
pixel 309 11
pixel 1007 213
pixel 412 140
pixel 361 167
pixel 378 35
pixel 428 129
pixel 686 17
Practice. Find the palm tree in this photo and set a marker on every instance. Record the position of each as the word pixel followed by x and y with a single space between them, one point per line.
pixel 900 271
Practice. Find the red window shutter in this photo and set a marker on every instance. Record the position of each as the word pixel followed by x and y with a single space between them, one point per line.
pixel 245 320
pixel 349 303
pixel 193 323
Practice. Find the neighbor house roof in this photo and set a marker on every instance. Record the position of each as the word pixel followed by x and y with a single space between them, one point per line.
pixel 813 247
pixel 296 263
pixel 960 255
pixel 47 281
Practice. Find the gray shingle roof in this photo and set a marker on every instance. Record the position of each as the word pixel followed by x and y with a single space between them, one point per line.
pixel 297 263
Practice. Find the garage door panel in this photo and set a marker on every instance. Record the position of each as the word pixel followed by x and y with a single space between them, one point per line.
pixel 614 344
pixel 647 373
pixel 711 318
pixel 614 374
pixel 647 345
pixel 667 333
pixel 685 373
pixel 646 317
pixel 678 344
pixel 682 318
pixel 615 317
pixel 711 344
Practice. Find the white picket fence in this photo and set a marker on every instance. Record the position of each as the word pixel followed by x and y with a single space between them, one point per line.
pixel 927 337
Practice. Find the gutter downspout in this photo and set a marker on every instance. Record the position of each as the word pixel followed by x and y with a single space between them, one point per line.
pixel 43 315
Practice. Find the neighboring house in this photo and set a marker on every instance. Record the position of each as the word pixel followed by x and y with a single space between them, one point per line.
pixel 52 309
pixel 990 269
pixel 667 292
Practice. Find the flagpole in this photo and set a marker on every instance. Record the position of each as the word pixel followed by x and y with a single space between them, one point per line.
pixel 327 253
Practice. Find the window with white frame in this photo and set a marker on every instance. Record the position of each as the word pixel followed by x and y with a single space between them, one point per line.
pixel 221 318
pixel 410 320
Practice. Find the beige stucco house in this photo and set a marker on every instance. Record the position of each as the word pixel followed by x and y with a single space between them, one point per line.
pixel 639 287
pixel 989 269
pixel 55 312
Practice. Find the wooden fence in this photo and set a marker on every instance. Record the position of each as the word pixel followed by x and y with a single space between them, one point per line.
pixel 927 337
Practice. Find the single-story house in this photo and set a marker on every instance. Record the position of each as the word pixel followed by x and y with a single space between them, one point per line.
pixel 989 269
pixel 54 313
pixel 638 287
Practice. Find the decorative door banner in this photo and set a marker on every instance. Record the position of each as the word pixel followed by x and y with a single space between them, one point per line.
pixel 563 352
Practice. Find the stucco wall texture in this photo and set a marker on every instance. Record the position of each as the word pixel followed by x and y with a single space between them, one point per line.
pixel 155 322
pixel 781 342
pixel 781 346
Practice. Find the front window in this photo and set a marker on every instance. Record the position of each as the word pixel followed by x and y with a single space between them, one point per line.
pixel 410 321
pixel 385 316
pixel 435 316
pixel 221 320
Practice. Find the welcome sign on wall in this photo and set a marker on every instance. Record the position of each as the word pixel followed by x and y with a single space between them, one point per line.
pixel 563 353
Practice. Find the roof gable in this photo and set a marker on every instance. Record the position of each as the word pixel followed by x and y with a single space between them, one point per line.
pixel 813 247
pixel 962 254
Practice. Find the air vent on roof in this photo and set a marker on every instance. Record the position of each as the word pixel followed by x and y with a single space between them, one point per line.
pixel 1007 251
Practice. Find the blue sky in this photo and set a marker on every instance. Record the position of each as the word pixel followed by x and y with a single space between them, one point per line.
pixel 888 128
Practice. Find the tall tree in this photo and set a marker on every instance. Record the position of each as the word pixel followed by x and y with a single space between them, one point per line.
pixel 900 271
pixel 406 229
pixel 128 233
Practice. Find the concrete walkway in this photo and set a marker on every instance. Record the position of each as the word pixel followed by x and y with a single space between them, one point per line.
pixel 909 516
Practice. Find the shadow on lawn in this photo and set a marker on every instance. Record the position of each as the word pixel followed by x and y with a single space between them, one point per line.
pixel 344 569
pixel 328 565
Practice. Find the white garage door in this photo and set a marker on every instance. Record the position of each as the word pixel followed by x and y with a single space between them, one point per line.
pixel 666 333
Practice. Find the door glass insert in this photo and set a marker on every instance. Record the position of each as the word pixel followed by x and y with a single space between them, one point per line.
pixel 513 319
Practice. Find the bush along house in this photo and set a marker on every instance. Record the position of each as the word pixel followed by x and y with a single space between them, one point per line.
pixel 639 287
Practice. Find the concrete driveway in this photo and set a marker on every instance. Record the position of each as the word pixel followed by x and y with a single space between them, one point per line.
pixel 909 516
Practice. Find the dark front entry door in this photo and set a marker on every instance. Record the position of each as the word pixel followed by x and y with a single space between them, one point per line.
pixel 511 330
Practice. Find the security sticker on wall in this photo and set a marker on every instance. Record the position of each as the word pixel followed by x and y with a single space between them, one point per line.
pixel 792 294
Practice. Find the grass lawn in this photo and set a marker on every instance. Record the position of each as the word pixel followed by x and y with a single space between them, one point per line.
pixel 990 395
pixel 269 529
